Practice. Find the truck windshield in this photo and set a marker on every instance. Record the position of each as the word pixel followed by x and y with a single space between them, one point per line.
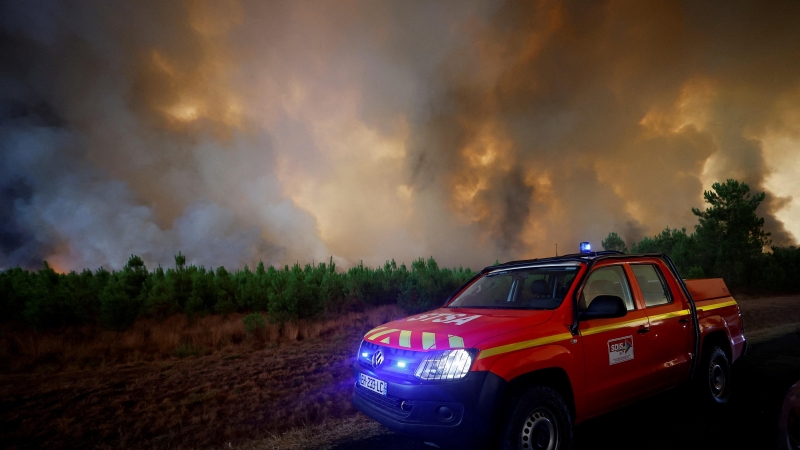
pixel 528 288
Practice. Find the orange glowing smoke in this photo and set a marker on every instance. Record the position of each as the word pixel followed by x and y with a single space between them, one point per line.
pixel 237 130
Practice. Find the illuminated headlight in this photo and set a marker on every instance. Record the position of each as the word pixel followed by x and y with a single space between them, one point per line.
pixel 446 365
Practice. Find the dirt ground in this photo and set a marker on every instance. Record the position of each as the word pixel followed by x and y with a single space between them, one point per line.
pixel 767 317
pixel 292 395
pixel 214 401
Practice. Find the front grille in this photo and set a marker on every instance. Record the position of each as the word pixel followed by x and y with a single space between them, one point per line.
pixel 410 359
pixel 388 404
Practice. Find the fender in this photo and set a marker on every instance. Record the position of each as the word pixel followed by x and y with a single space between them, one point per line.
pixel 552 356
pixel 710 324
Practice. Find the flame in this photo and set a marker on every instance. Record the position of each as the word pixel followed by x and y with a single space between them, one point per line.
pixel 59 263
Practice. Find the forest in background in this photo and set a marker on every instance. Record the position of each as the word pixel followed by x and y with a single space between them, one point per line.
pixel 48 299
pixel 728 242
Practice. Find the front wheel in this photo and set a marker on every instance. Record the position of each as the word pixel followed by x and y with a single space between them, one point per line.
pixel 715 381
pixel 540 420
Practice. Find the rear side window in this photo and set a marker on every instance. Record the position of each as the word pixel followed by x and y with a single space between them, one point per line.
pixel 654 290
pixel 606 281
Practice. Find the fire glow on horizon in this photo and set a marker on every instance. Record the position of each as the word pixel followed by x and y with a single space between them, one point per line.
pixel 237 131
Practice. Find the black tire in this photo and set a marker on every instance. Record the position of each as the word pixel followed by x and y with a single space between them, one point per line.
pixel 714 379
pixel 539 419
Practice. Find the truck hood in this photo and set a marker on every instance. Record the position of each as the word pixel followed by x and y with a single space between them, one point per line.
pixel 447 328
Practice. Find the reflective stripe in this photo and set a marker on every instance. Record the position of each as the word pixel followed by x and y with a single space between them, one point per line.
pixel 670 315
pixel 523 345
pixel 381 333
pixel 613 326
pixel 428 340
pixel 716 305
pixel 374 330
pixel 405 339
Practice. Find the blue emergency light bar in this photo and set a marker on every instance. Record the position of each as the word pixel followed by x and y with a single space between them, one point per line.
pixel 586 247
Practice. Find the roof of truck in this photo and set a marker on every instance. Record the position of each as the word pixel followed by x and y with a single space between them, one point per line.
pixel 581 257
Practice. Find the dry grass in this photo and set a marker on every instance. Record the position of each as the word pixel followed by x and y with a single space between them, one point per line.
pixel 205 384
pixel 181 384
pixel 152 340
pixel 318 437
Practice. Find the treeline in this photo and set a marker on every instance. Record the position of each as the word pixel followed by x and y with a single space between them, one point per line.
pixel 729 242
pixel 48 299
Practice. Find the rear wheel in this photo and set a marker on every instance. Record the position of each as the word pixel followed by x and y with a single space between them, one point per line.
pixel 715 381
pixel 539 420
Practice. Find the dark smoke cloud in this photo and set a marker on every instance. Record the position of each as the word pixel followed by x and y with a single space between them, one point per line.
pixel 235 131
pixel 629 108
pixel 89 175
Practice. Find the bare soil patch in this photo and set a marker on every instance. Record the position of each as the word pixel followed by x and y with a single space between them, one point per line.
pixel 254 391
pixel 769 317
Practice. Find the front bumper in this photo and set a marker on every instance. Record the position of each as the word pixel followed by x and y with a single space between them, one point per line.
pixel 450 414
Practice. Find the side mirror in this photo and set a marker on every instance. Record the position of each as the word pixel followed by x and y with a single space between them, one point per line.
pixel 605 307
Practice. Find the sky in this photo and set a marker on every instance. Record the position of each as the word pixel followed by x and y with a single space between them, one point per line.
pixel 239 131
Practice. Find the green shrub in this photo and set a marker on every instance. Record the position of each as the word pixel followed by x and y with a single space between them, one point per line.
pixel 225 306
pixel 118 310
pixel 694 273
pixel 195 306
pixel 253 323
pixel 428 287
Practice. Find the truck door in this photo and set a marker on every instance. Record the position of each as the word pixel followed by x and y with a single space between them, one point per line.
pixel 616 353
pixel 671 332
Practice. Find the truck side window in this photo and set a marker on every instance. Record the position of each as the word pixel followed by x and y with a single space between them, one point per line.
pixel 607 281
pixel 651 283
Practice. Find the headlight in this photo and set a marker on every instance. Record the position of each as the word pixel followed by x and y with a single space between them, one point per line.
pixel 446 365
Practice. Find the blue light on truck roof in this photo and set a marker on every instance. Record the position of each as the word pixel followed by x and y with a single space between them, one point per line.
pixel 401 364
pixel 586 247
pixel 364 354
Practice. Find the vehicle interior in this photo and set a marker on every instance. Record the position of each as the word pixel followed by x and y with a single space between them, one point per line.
pixel 606 281
pixel 533 288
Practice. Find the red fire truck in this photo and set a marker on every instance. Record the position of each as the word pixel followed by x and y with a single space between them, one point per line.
pixel 527 349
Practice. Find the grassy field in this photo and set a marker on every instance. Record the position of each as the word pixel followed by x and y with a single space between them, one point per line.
pixel 207 384
pixel 177 385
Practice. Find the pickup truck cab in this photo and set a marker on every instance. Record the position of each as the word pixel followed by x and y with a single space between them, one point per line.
pixel 527 349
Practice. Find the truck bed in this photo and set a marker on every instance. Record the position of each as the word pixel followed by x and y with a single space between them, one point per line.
pixel 707 289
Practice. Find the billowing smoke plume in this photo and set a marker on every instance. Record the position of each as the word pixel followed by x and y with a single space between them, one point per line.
pixel 282 131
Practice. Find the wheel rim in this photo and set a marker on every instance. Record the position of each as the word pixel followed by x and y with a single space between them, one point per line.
pixel 540 430
pixel 716 379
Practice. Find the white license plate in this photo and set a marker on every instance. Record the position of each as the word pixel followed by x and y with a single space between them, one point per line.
pixel 373 384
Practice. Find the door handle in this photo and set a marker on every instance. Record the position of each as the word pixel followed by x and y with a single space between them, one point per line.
pixel 643 330
pixel 685 320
